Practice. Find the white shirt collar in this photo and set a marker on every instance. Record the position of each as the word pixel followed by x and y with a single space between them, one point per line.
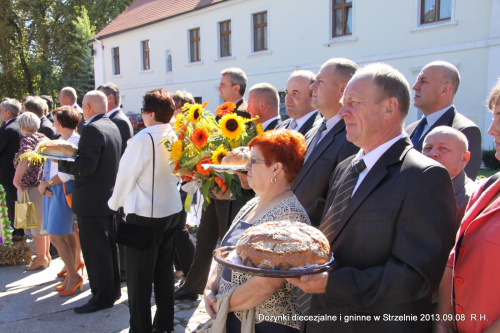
pixel 90 119
pixel 433 117
pixel 267 122
pixel 372 157
pixel 110 112
pixel 301 121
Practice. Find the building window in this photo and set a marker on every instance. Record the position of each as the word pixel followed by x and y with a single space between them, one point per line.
pixel 260 31
pixel 194 45
pixel 115 51
pixel 225 38
pixel 168 62
pixel 341 18
pixel 145 55
pixel 434 10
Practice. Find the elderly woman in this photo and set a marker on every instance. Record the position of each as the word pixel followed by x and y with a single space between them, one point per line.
pixel 58 218
pixel 147 191
pixel 277 157
pixel 27 178
pixel 469 290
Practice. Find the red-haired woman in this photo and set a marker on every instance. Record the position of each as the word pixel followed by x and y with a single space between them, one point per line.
pixel 277 157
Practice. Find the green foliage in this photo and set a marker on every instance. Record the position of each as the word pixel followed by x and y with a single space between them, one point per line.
pixel 490 160
pixel 43 44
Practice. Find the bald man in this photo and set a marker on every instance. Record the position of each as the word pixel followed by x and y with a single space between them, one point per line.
pixel 95 171
pixel 449 147
pixel 435 90
pixel 263 102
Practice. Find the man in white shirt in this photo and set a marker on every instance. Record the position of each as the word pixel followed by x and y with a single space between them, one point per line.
pixel 298 98
pixel 435 90
pixel 263 102
pixel 389 218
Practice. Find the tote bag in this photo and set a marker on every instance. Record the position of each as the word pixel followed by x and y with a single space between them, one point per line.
pixel 25 213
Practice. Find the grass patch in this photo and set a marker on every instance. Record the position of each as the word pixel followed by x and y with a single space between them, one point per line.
pixel 485 173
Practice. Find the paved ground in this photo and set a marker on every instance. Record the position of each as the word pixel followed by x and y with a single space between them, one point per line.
pixel 29 303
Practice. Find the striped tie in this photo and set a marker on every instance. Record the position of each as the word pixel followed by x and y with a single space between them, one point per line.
pixel 315 140
pixel 293 124
pixel 341 200
pixel 334 215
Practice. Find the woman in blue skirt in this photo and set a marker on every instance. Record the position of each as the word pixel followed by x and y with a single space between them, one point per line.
pixel 57 215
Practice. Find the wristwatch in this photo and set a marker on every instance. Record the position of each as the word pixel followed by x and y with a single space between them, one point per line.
pixel 51 182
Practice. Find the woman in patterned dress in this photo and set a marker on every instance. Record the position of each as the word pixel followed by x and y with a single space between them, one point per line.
pixel 277 157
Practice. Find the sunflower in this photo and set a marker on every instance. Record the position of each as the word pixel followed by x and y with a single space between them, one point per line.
pixel 232 125
pixel 225 108
pixel 199 137
pixel 176 152
pixel 201 170
pixel 195 113
pixel 178 122
pixel 259 129
pixel 218 155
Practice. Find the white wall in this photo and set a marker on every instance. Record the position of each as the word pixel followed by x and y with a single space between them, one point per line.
pixel 299 38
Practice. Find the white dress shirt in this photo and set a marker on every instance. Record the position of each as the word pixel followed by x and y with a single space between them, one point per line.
pixel 302 120
pixel 431 120
pixel 267 122
pixel 134 180
pixel 330 123
pixel 372 157
pixel 110 112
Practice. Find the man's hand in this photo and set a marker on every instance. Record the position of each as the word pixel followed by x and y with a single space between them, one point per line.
pixel 220 195
pixel 243 180
pixel 311 284
pixel 210 303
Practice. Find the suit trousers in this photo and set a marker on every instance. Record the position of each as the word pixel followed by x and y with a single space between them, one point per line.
pixel 213 225
pixel 10 200
pixel 183 245
pixel 97 238
pixel 145 267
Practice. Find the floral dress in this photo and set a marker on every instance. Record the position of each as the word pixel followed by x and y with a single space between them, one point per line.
pixel 284 300
pixel 33 175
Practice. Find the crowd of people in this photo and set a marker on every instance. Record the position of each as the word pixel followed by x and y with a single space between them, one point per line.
pixel 415 239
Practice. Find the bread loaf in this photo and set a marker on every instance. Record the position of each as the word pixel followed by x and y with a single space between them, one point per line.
pixel 238 156
pixel 283 245
pixel 57 147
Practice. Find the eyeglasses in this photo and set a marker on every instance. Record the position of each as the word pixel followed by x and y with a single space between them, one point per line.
pixel 255 161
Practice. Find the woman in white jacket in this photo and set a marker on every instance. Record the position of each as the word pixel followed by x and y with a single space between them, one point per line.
pixel 150 200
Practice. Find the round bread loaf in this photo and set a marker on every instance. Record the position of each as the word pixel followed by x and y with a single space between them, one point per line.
pixel 283 245
pixel 238 156
pixel 57 147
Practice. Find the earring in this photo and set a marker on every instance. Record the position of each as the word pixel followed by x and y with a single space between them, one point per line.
pixel 273 180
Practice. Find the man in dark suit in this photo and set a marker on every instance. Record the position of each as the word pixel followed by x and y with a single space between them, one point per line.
pixel 68 96
pixel 95 172
pixel 263 102
pixel 435 90
pixel 449 147
pixel 39 106
pixel 115 113
pixel 232 86
pixel 117 116
pixel 390 218
pixel 10 136
pixel 331 147
pixel 298 98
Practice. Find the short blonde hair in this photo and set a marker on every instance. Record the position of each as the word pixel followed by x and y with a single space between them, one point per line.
pixel 29 121
pixel 494 95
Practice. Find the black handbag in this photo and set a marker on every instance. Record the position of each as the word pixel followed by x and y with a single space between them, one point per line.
pixel 136 236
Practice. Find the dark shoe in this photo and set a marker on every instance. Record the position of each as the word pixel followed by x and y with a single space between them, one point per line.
pixel 89 308
pixel 181 294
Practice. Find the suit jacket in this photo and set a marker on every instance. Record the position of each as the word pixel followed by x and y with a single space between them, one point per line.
pixel 454 119
pixel 311 184
pixel 241 109
pixel 10 136
pixel 47 128
pixel 95 167
pixel 272 125
pixel 391 244
pixel 313 121
pixel 124 125
pixel 79 129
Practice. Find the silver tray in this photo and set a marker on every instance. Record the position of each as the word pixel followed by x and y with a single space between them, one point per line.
pixel 224 168
pixel 221 254
pixel 57 157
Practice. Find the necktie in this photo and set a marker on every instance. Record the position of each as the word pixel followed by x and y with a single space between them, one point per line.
pixel 334 215
pixel 315 140
pixel 342 199
pixel 419 131
pixel 293 125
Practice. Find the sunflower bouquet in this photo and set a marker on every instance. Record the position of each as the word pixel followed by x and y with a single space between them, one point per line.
pixel 204 138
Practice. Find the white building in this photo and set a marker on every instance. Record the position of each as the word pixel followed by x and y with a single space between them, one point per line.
pixel 185 44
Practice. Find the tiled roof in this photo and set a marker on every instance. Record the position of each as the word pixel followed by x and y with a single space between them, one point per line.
pixel 144 12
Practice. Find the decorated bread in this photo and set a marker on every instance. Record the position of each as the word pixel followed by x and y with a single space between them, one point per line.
pixel 238 156
pixel 283 245
pixel 57 147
